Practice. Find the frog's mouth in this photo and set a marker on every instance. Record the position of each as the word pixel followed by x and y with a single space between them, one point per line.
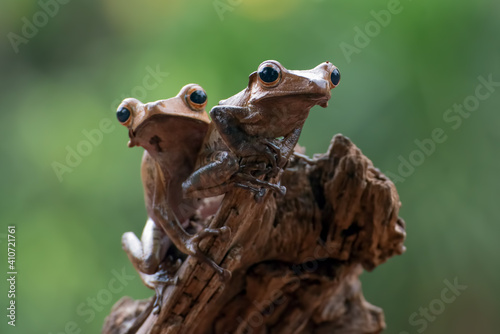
pixel 169 130
pixel 312 99
pixel 315 99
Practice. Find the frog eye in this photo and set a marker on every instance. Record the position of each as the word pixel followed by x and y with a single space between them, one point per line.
pixel 335 77
pixel 197 99
pixel 123 115
pixel 269 74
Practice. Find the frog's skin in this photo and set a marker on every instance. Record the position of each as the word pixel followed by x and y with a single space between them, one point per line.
pixel 171 132
pixel 254 132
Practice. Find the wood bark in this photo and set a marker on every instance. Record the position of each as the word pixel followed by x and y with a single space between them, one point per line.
pixel 295 260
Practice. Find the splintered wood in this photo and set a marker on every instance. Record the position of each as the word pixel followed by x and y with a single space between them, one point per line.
pixel 295 260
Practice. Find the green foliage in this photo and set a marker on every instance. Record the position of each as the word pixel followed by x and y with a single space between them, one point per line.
pixel 397 84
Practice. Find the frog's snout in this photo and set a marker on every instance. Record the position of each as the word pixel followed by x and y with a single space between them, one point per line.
pixel 323 104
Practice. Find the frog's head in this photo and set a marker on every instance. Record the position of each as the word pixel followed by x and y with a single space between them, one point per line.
pixel 165 120
pixel 273 84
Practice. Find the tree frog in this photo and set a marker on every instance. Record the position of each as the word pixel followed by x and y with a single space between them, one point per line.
pixel 263 121
pixel 171 132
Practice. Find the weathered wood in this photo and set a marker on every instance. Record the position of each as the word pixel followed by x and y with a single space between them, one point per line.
pixel 295 259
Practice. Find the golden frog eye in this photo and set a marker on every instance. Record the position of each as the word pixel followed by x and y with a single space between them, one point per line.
pixel 123 115
pixel 269 74
pixel 196 99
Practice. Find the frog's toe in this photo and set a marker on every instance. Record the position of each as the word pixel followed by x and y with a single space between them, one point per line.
pixel 160 281
pixel 165 280
pixel 194 250
pixel 259 196
pixel 225 233
pixel 158 299
pixel 224 275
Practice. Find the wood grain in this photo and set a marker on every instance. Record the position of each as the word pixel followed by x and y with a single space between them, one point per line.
pixel 295 260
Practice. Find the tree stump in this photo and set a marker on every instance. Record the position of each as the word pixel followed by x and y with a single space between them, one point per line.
pixel 295 260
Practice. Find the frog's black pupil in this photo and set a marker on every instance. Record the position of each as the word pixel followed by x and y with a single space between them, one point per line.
pixel 123 115
pixel 335 77
pixel 268 74
pixel 198 96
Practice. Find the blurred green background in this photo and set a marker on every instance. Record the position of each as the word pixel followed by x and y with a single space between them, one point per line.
pixel 67 73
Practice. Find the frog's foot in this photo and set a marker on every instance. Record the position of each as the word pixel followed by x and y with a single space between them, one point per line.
pixel 193 247
pixel 172 265
pixel 158 300
pixel 254 180
pixel 279 159
pixel 273 169
pixel 159 281
pixel 303 157
pixel 262 148
pixel 259 192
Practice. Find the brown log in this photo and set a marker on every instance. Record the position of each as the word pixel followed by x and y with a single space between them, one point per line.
pixel 295 260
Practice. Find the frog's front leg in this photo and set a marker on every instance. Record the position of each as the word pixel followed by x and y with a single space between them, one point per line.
pixel 187 243
pixel 212 179
pixel 228 121
pixel 221 174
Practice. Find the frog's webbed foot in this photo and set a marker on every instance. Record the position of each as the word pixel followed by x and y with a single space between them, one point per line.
pixel 254 180
pixel 259 192
pixel 187 243
pixel 279 158
pixel 274 168
pixel 276 149
pixel 193 247
pixel 160 289
pixel 159 281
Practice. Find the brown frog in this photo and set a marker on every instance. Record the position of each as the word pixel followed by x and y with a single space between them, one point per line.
pixel 254 132
pixel 171 132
